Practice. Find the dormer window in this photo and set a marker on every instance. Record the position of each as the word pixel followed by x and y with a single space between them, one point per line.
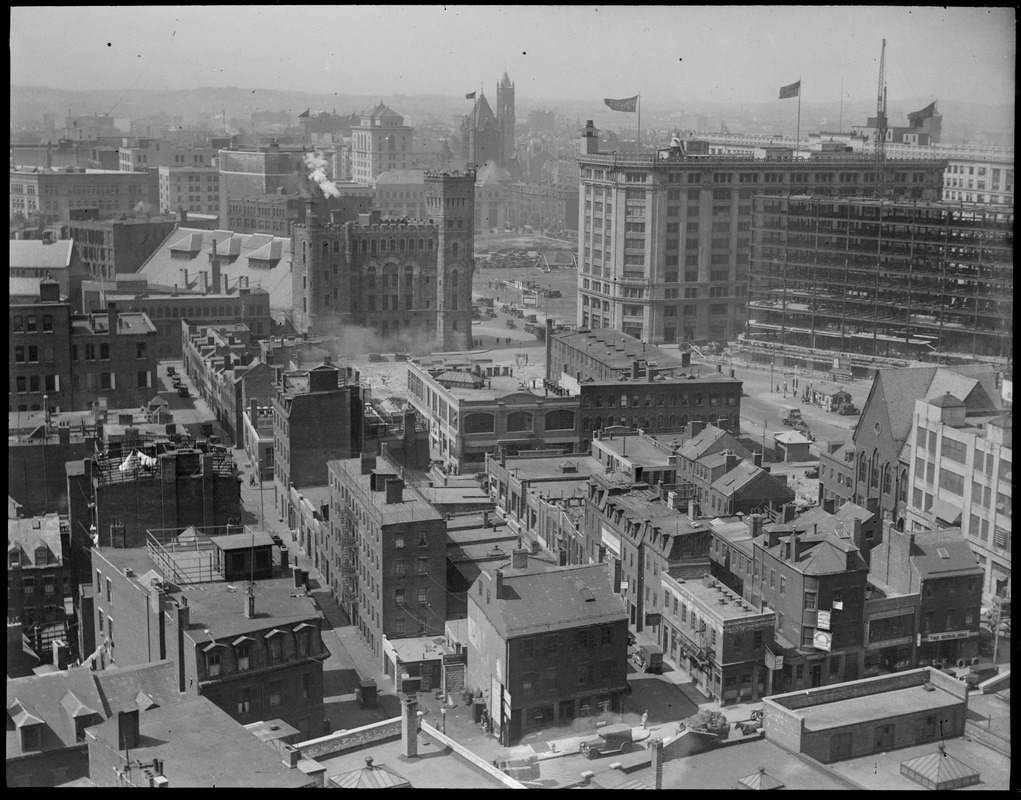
pixel 31 737
pixel 42 556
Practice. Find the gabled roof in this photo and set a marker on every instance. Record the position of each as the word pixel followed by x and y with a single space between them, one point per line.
pixel 492 173
pixel 142 687
pixel 384 112
pixel 745 474
pixel 52 700
pixel 946 401
pixel 483 113
pixel 37 254
pixel 791 437
pixel 550 600
pixel 702 443
pixel 942 554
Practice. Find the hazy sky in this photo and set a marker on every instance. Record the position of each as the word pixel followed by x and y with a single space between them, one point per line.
pixel 669 54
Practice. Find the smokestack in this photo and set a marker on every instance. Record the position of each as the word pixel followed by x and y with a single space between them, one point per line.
pixel 285 557
pixel 519 558
pixel 250 602
pixel 409 726
pixel 183 614
pixel 755 525
pixel 296 573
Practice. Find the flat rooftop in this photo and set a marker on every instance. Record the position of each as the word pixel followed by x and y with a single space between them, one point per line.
pixel 526 377
pixel 551 468
pixel 412 508
pixel 437 767
pixel 874 707
pixel 217 609
pixel 637 450
pixel 735 608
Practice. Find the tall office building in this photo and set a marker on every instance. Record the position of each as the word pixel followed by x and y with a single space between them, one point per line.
pixel 665 238
pixel 381 142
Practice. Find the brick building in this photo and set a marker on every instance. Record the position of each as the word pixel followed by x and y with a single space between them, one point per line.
pixel 717 637
pixel 546 647
pixel 940 567
pixel 388 553
pixel 474 407
pixel 880 450
pixel 110 247
pixel 67 362
pixel 194 189
pixel 38 581
pixel 665 241
pixel 403 278
pixel 317 416
pixel 256 652
pixel 52 195
pixel 60 261
pixel 635 530
pixel 260 171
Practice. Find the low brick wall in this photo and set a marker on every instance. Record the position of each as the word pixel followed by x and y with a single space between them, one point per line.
pixel 859 688
pixel 351 739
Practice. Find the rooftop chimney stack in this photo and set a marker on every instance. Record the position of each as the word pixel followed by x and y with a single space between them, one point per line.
pixel 250 602
pixel 519 558
pixel 409 726
pixel 127 729
pixel 113 318
pixel 394 491
pixel 499 583
pixel 656 745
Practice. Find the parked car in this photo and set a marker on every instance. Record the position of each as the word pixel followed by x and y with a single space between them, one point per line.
pixel 980 673
pixel 171 370
pixel 812 473
pixel 182 391
pixel 611 739
pixel 849 409
pixel 648 657
pixel 176 381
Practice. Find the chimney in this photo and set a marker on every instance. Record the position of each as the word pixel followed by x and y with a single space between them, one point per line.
pixel 634 370
pixel 755 525
pixel 485 519
pixel 285 557
pixel 499 583
pixel 409 727
pixel 215 262
pixel 656 745
pixel 732 460
pixel 253 412
pixel 296 572
pixel 692 510
pixel 696 428
pixel 183 614
pixel 127 729
pixel 394 491
pixel 519 558
pixel 590 138
pixel 60 654
pixel 182 216
pixel 757 459
pixel 368 464
pixel 111 310
pixel 204 281
pixel 250 603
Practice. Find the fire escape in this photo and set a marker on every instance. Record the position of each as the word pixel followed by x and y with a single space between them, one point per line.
pixel 348 562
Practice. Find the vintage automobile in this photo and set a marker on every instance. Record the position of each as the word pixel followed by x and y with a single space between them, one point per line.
pixel 648 657
pixel 611 739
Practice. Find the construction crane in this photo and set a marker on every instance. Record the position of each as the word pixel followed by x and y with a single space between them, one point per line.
pixel 881 123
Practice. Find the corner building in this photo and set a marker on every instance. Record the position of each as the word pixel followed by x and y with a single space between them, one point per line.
pixel 665 239
pixel 401 278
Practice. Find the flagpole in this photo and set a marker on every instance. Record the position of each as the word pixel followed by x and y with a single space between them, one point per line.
pixel 639 122
pixel 797 135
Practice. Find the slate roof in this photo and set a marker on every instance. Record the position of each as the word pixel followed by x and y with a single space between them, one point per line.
pixel 551 600
pixel 762 780
pixel 746 473
pixel 22 533
pixel 791 437
pixel 928 563
pixel 52 699
pixel 36 254
pixel 823 554
pixel 492 173
pixel 236 252
pixel 946 401
pixel 697 446
pixel 144 686
pixel 24 287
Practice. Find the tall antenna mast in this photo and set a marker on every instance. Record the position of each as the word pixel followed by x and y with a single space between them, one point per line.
pixel 881 123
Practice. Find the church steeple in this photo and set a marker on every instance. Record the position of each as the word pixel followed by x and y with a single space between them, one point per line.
pixel 505 117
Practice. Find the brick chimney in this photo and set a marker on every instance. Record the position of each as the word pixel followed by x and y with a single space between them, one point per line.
pixel 755 525
pixel 732 460
pixel 519 558
pixel 368 464
pixel 296 574
pixel 409 727
pixel 215 261
pixel 183 614
pixel 127 729
pixel 634 370
pixel 656 745
pixel 757 459
pixel 394 491
pixel 112 316
pixel 498 588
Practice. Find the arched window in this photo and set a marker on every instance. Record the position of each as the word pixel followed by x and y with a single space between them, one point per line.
pixel 480 422
pixel 611 401
pixel 453 290
pixel 673 420
pixel 336 246
pixel 519 421
pixel 659 420
pixel 862 468
pixel 648 400
pixel 326 249
pixel 874 469
pixel 370 278
pixel 673 400
pixel 623 422
pixel 648 422
pixel 597 424
pixel 560 420
pixel 586 423
pixel 623 401
pixel 599 401
pixel 684 420
pixel 887 479
pixel 409 279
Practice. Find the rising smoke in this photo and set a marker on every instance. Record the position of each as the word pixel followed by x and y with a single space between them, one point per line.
pixel 353 340
pixel 317 164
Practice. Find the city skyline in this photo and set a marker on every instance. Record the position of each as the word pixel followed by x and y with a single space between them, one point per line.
pixel 670 55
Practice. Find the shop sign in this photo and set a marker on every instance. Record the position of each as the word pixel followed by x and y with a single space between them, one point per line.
pixel 947 635
pixel 822 640
pixel 822 620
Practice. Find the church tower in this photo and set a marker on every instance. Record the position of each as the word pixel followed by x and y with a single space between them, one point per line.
pixel 505 116
pixel 450 204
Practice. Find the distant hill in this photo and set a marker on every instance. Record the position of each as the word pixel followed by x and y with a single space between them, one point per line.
pixel 962 121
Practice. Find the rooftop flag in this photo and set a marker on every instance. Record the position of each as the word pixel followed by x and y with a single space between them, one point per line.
pixel 791 90
pixel 305 115
pixel 627 104
pixel 470 96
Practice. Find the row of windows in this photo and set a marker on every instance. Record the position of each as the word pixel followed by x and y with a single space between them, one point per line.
pixel 481 422
pixel 675 399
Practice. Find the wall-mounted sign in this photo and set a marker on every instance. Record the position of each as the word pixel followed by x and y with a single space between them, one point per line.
pixel 822 640
pixel 822 620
